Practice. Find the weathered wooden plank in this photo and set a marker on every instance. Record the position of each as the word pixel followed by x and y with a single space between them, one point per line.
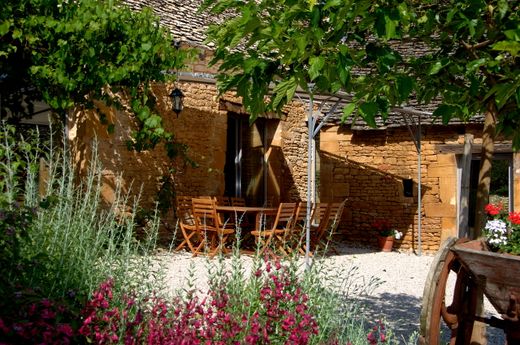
pixel 476 148
pixel 499 272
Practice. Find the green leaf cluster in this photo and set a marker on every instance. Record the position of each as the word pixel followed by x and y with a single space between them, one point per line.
pixel 75 52
pixel 473 60
pixel 462 55
pixel 270 49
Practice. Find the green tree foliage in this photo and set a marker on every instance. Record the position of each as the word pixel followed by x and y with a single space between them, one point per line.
pixel 70 53
pixel 474 67
pixel 335 45
pixel 474 64
pixel 466 55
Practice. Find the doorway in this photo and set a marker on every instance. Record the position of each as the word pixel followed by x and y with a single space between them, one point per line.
pixel 501 189
pixel 253 164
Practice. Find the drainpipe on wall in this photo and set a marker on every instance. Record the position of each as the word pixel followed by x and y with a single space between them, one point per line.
pixel 419 202
pixel 417 141
pixel 310 124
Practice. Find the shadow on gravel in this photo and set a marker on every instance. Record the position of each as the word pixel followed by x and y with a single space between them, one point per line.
pixel 402 312
pixel 341 248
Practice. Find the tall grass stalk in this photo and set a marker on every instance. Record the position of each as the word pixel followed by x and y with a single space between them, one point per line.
pixel 76 242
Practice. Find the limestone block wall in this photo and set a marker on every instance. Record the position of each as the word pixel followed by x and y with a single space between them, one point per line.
pixel 294 145
pixel 200 125
pixel 368 168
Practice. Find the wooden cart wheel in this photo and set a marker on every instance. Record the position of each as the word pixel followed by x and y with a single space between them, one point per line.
pixel 433 303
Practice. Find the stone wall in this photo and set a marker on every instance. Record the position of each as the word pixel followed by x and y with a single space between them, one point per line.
pixel 368 168
pixel 200 125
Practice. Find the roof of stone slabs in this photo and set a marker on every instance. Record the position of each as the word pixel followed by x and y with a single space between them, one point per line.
pixel 408 114
pixel 180 16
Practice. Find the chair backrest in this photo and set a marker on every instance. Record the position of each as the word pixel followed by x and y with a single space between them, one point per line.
pixel 237 201
pixel 285 216
pixel 300 216
pixel 205 213
pixel 184 209
pixel 319 213
pixel 333 218
pixel 336 211
pixel 222 200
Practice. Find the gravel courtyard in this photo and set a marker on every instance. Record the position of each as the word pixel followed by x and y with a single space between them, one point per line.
pixel 396 297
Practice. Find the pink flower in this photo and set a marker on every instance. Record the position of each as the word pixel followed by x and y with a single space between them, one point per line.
pixel 371 338
pixel 277 265
pixel 3 327
pixel 65 329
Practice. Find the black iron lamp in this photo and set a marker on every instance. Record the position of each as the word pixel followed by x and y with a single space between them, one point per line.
pixel 177 97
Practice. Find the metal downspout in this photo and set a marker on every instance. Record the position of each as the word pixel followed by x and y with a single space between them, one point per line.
pixel 417 141
pixel 310 124
pixel 419 202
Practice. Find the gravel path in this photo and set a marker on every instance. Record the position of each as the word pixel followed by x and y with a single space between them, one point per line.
pixel 397 298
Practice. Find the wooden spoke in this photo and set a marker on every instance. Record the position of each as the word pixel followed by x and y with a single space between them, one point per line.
pixel 434 305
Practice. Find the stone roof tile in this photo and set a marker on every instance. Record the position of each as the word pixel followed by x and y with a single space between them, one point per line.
pixel 180 17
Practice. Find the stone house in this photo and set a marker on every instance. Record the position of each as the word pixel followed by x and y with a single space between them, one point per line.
pixel 266 162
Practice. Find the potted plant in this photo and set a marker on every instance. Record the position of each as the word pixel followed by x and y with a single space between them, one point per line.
pixel 502 230
pixel 385 234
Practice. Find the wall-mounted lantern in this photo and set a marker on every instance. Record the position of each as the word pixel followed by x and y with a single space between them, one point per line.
pixel 177 96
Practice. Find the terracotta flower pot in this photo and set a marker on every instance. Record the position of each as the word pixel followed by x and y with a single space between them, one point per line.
pixel 385 243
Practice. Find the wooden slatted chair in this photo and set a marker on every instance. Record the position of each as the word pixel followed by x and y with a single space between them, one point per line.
pixel 228 223
pixel 298 228
pixel 330 224
pixel 223 200
pixel 300 217
pixel 191 236
pixel 276 235
pixel 242 219
pixel 319 214
pixel 208 224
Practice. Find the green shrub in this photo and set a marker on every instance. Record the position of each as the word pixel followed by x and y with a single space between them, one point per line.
pixel 65 243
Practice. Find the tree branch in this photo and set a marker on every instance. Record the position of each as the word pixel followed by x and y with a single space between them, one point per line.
pixel 478 45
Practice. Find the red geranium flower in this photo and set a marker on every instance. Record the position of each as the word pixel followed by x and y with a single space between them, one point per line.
pixel 514 217
pixel 493 209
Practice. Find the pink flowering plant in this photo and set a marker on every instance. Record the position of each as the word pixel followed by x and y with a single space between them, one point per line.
pixel 378 334
pixel 38 321
pixel 502 229
pixel 279 315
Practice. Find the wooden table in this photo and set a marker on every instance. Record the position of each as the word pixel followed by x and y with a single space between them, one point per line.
pixel 245 210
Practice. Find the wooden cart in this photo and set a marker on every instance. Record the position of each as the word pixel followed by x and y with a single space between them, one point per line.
pixel 477 271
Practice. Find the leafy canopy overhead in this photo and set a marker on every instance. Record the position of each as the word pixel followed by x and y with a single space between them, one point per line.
pixel 464 53
pixel 293 43
pixel 475 64
pixel 70 53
